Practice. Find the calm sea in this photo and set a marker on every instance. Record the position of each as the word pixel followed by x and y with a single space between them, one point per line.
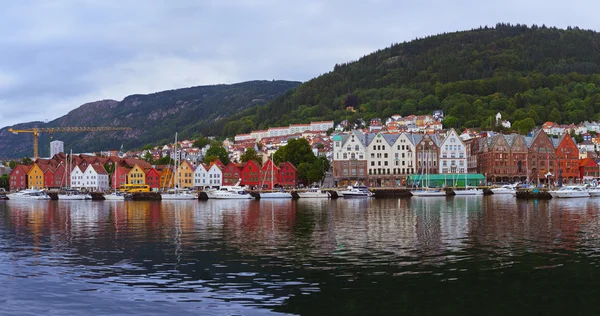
pixel 491 255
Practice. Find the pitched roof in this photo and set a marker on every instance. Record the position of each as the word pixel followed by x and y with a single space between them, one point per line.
pixel 99 169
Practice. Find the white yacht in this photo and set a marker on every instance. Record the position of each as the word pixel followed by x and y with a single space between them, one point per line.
pixel 570 191
pixel 428 192
pixel 71 194
pixel 179 195
pixel 115 196
pixel 505 189
pixel 29 194
pixel 594 191
pixel 275 195
pixel 313 193
pixel 469 191
pixel 234 192
pixel 357 191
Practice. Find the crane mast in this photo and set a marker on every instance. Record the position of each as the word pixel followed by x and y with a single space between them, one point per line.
pixel 37 130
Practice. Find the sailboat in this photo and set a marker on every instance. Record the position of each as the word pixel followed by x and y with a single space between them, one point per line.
pixel 274 195
pixel 176 194
pixel 468 190
pixel 72 194
pixel 426 191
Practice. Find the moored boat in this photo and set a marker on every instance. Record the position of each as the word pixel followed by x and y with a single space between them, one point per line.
pixel 29 194
pixel 357 191
pixel 505 189
pixel 313 193
pixel 469 191
pixel 428 192
pixel 570 191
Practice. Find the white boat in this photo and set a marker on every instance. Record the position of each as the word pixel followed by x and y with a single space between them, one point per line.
pixel 594 191
pixel 115 196
pixel 428 192
pixel 71 194
pixel 275 195
pixel 176 194
pixel 230 192
pixel 505 189
pixel 357 191
pixel 179 195
pixel 469 191
pixel 29 194
pixel 313 193
pixel 230 195
pixel 570 191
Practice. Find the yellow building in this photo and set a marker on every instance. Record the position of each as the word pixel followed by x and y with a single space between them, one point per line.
pixel 136 175
pixel 35 177
pixel 186 175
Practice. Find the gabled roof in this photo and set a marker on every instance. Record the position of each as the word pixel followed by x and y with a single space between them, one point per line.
pixel 414 138
pixel 99 169
pixel 587 162
pixel 510 139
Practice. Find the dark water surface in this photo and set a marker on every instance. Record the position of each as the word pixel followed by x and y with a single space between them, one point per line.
pixel 463 255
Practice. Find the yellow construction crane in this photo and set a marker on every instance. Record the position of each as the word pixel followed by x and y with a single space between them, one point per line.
pixel 37 130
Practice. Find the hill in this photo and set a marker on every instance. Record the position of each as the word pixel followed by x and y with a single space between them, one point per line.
pixel 520 71
pixel 154 118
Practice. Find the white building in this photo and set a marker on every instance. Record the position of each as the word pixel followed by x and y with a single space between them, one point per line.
pixel 94 178
pixel 56 147
pixel 242 137
pixel 321 126
pixel 453 154
pixel 299 128
pixel 208 176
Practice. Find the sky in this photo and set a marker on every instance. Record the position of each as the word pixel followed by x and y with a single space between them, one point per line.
pixel 58 54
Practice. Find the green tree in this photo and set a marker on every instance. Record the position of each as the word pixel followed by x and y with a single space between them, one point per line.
pixel 251 154
pixel 217 150
pixel 12 164
pixel 296 151
pixel 148 147
pixel 4 182
pixel 201 141
pixel 148 157
pixel 555 116
pixel 525 126
pixel 451 122
pixel 27 161
pixel 166 160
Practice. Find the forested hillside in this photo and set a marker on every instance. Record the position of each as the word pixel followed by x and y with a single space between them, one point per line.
pixel 520 71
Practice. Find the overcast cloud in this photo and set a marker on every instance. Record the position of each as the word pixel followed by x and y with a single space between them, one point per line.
pixel 56 55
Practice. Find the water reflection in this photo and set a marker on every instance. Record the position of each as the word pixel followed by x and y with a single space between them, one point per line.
pixel 283 255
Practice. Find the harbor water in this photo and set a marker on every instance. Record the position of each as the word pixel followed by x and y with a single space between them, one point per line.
pixel 484 255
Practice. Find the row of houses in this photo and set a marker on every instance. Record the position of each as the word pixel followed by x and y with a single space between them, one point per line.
pixel 385 159
pixel 93 173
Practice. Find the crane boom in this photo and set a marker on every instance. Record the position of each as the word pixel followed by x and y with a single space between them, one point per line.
pixel 37 130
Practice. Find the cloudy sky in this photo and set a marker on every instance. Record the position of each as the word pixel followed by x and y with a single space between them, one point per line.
pixel 58 54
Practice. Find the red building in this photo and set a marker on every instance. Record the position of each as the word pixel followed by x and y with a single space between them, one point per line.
pixel 588 168
pixel 121 173
pixel 287 175
pixel 251 174
pixel 231 174
pixel 270 176
pixel 567 159
pixel 60 178
pixel 49 177
pixel 18 177
pixel 152 178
